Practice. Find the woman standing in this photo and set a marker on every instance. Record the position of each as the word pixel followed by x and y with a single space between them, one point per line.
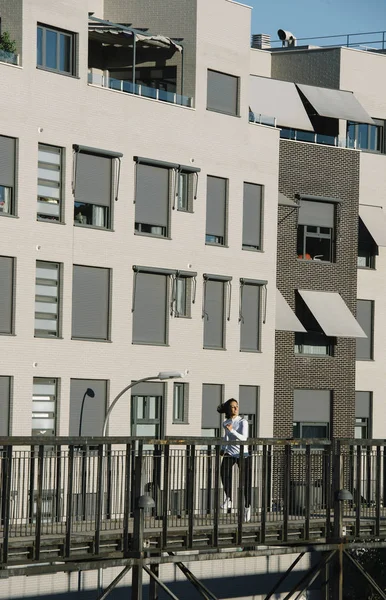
pixel 235 429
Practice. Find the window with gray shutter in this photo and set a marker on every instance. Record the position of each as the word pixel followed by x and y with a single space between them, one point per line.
pixel 252 216
pixel 363 415
pixel 316 230
pixel 49 198
pixel 365 318
pixel 212 396
pixel 152 200
pixel 5 403
pixel 215 305
pixel 312 413
pixel 150 303
pixel 222 93
pixel 94 406
pixel 6 294
pixel 250 315
pixel 47 295
pixel 90 303
pixel 7 175
pixel 249 407
pixel 216 210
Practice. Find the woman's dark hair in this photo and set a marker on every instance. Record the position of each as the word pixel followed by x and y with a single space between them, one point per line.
pixel 225 407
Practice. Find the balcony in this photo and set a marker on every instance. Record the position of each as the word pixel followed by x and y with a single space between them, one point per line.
pixel 9 57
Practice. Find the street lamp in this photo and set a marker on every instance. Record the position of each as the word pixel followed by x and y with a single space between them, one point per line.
pixel 161 376
pixel 89 392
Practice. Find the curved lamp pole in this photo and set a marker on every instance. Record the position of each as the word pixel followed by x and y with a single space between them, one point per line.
pixel 89 392
pixel 161 376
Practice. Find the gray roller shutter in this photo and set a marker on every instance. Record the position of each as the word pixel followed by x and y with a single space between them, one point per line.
pixel 252 215
pixel 93 183
pixel 318 214
pixel 150 308
pixel 94 410
pixel 6 294
pixel 216 194
pixel 5 400
pixel 250 321
pixel 312 406
pixel 90 303
pixel 7 161
pixel 365 312
pixel 212 396
pixel 148 388
pixel 248 399
pixel 222 92
pixel 362 405
pixel 152 195
pixel 214 314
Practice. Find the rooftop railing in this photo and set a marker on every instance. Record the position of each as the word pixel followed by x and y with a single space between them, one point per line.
pixel 369 40
pixel 128 87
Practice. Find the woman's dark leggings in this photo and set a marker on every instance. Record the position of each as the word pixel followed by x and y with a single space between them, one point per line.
pixel 228 462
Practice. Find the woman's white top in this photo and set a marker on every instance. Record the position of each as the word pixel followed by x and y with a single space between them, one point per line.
pixel 239 432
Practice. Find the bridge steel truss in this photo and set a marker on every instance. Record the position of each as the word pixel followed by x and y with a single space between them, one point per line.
pixel 74 504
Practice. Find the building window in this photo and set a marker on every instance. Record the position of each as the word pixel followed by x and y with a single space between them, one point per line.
pixel 6 294
pixel 249 407
pixel 365 318
pixel 147 409
pixel 316 231
pixel 250 314
pixel 184 184
pixel 56 50
pixel 180 402
pixel 222 93
pixel 152 200
pixel 212 396
pixel 364 136
pixel 7 175
pixel 216 210
pixel 312 414
pixel 150 307
pixel 96 180
pixel 91 303
pixel 89 419
pixel 363 414
pixel 216 307
pixel 252 216
pixel 5 404
pixel 44 406
pixel 315 342
pixel 47 296
pixel 49 183
pixel 367 248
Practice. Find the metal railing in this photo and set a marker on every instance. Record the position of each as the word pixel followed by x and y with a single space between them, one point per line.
pixel 368 40
pixel 137 89
pixel 65 497
pixel 9 57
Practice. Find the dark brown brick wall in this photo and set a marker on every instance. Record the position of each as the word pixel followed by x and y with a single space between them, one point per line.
pixel 331 172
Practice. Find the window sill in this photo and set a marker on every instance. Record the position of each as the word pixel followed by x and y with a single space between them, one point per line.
pixel 180 423
pixel 150 344
pixel 366 268
pixel 81 339
pixel 48 337
pixel 52 222
pixel 11 334
pixel 213 244
pixel 251 351
pixel 56 72
pixel 85 226
pixel 222 112
pixel 314 262
pixel 9 216
pixel 251 249
pixel 152 235
pixel 182 317
pixel 365 360
pixel 214 348
pixel 324 356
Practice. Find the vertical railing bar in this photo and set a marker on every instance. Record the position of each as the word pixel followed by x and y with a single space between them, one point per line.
pixel 358 490
pixel 240 497
pixel 165 506
pixel 308 492
pixel 209 481
pixel 99 499
pixel 286 494
pixel 7 502
pixel 39 500
pixel 378 492
pixel 127 503
pixel 327 487
pixel 264 496
pixel 216 508
pixel 191 491
pixel 31 485
pixel 109 487
pixel 70 476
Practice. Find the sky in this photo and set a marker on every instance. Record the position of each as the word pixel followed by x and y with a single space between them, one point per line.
pixel 311 18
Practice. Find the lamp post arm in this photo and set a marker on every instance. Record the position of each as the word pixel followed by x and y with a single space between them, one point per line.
pixel 119 396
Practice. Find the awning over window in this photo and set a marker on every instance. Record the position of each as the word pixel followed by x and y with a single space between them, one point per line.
pixel 284 201
pixel 286 320
pixel 278 99
pixel 116 36
pixel 336 104
pixel 332 314
pixel 375 220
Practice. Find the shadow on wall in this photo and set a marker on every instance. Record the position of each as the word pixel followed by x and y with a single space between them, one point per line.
pixel 247 586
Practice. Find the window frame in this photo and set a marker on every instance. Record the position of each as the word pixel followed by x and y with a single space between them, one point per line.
pixel 37 398
pixel 71 57
pixel 378 128
pixel 12 212
pixel 254 247
pixel 166 274
pixel 303 235
pixel 220 241
pixel 8 402
pixel 260 285
pixel 47 219
pixel 234 112
pixel 180 404
pixel 366 242
pixel 109 275
pixel 41 264
pixel 301 338
pixel 12 295
pixel 225 281
pixel 371 303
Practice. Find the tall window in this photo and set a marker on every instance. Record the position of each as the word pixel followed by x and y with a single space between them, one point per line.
pixel 5 403
pixel 216 210
pixel 250 316
pixel 312 413
pixel 314 342
pixel 180 402
pixel 7 175
pixel 249 407
pixel 183 293
pixel 6 294
pixel 222 93
pixel 49 183
pixel 96 178
pixel 147 401
pixel 91 303
pixel 150 307
pixel 212 396
pixel 316 230
pixel 216 306
pixel 365 318
pixel 56 50
pixel 152 200
pixel 367 248
pixel 44 406
pixel 47 296
pixel 252 216
pixel 363 413
pixel 91 394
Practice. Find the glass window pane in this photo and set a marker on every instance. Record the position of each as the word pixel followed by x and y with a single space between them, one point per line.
pixel 181 296
pixel 65 53
pixel 51 49
pixel 140 400
pixel 152 407
pixel 5 200
pixel 39 58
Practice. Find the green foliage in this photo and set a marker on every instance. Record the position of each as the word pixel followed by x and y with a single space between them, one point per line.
pixel 6 43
